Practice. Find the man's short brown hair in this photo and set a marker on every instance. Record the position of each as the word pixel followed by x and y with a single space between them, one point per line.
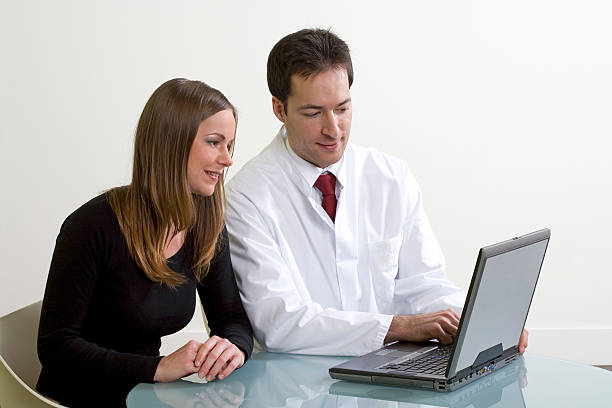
pixel 306 52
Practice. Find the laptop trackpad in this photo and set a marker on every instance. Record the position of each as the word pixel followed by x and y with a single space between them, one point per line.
pixel 390 353
pixel 403 349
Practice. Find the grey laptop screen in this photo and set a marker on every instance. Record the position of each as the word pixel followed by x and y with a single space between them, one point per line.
pixel 504 288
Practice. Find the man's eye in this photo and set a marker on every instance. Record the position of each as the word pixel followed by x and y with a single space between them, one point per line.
pixel 311 114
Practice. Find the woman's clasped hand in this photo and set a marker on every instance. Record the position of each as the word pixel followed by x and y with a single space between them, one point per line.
pixel 215 358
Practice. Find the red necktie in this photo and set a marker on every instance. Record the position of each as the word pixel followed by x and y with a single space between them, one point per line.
pixel 326 184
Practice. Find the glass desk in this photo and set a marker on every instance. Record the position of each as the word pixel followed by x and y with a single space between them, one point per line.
pixel 284 380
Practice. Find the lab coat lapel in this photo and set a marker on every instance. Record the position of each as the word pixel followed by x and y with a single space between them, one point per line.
pixel 295 177
pixel 346 232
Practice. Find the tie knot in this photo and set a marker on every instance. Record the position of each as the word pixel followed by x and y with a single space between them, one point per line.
pixel 326 183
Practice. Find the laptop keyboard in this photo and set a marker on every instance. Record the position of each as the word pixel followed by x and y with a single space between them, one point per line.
pixel 433 362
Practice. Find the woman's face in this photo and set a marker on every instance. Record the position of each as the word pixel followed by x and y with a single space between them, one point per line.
pixel 209 154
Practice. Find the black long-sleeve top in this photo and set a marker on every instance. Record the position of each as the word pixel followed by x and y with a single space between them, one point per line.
pixel 102 318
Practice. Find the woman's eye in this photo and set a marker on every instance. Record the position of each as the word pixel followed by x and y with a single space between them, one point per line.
pixel 213 143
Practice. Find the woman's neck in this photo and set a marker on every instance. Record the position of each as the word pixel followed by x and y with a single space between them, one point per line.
pixel 173 243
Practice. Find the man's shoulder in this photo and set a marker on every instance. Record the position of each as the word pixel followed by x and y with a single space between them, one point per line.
pixel 381 172
pixel 261 170
pixel 369 159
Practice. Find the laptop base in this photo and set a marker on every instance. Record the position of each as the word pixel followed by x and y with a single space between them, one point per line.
pixel 436 383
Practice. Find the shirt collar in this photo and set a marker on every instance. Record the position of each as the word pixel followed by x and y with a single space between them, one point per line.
pixel 309 171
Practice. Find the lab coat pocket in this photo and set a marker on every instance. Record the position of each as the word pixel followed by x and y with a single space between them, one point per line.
pixel 384 255
pixel 384 261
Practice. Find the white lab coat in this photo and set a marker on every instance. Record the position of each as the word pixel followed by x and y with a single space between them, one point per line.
pixel 313 286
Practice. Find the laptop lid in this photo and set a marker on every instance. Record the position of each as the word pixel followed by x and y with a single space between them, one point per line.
pixel 498 300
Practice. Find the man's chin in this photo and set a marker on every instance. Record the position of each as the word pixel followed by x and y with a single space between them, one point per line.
pixel 329 159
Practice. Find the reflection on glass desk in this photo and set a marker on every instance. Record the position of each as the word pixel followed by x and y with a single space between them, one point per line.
pixel 285 380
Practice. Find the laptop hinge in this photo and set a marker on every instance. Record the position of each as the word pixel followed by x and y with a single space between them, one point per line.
pixel 487 355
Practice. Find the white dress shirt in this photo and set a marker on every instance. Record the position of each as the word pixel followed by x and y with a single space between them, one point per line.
pixel 313 286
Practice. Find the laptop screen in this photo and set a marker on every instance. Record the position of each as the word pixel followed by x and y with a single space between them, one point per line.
pixel 499 298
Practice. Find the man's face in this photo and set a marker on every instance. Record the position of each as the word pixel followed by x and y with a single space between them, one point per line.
pixel 318 117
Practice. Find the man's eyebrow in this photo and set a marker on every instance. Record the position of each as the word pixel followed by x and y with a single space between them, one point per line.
pixel 317 107
pixel 309 106
pixel 344 102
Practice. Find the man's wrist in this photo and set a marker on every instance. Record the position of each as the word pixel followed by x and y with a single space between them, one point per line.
pixel 394 329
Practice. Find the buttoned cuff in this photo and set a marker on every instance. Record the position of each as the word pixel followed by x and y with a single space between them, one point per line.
pixel 383 329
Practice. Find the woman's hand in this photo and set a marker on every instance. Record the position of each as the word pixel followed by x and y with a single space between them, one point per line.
pixel 218 357
pixel 178 364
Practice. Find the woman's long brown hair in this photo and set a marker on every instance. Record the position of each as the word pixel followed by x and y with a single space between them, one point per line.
pixel 159 200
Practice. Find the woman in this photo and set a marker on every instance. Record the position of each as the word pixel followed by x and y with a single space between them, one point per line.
pixel 126 264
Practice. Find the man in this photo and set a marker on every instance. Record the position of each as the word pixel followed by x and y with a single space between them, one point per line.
pixel 330 244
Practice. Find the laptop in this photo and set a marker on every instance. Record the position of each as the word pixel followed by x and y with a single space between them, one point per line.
pixel 502 388
pixel 491 324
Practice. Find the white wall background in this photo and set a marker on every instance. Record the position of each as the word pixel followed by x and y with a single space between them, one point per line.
pixel 501 109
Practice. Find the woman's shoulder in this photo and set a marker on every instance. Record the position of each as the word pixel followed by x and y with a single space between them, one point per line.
pixel 94 214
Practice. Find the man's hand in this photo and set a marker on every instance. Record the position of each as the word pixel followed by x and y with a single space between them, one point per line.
pixel 440 325
pixel 523 341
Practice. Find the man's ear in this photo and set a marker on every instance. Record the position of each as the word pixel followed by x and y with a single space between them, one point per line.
pixel 279 109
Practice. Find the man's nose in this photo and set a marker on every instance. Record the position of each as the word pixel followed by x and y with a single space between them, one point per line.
pixel 331 126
